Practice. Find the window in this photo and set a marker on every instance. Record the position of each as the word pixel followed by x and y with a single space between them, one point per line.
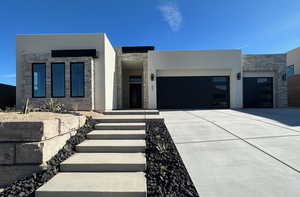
pixel 58 79
pixel 77 79
pixel 38 80
pixel 290 70
pixel 135 79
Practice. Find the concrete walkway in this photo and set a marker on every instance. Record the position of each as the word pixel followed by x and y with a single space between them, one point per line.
pixel 111 162
pixel 249 153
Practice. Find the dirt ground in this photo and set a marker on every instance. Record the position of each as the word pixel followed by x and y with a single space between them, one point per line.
pixel 37 116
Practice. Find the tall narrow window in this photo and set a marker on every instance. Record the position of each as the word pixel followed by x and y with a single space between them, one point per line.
pixel 290 70
pixel 77 79
pixel 38 80
pixel 58 79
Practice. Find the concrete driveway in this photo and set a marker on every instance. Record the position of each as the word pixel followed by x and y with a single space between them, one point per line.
pixel 239 153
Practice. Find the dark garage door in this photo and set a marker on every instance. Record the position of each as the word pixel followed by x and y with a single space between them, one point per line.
pixel 258 92
pixel 192 92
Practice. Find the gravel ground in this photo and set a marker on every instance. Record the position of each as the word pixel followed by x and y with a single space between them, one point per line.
pixel 32 116
pixel 166 173
pixel 27 186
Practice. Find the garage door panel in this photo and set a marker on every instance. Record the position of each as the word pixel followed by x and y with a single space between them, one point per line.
pixel 192 92
pixel 258 92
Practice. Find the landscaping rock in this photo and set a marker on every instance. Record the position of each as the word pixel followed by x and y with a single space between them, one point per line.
pixel 166 173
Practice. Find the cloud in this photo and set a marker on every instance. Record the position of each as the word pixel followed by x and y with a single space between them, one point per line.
pixel 171 15
pixel 8 76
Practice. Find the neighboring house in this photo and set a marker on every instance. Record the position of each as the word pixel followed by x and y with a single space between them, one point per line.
pixel 86 72
pixel 293 62
pixel 7 96
pixel 293 72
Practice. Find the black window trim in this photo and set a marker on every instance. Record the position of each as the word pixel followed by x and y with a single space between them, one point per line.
pixel 52 80
pixel 32 80
pixel 83 79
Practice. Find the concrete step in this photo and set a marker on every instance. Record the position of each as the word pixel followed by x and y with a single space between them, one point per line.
pixel 127 118
pixel 131 184
pixel 112 146
pixel 131 112
pixel 121 126
pixel 117 134
pixel 105 162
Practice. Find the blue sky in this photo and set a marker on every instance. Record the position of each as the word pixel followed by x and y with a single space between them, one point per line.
pixel 256 26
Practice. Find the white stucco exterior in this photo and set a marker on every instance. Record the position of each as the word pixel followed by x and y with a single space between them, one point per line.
pixel 197 63
pixel 110 69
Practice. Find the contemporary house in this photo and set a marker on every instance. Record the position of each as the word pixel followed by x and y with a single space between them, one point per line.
pixel 85 72
pixel 293 73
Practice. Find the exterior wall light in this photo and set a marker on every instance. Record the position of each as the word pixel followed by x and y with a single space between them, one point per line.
pixel 152 77
pixel 238 76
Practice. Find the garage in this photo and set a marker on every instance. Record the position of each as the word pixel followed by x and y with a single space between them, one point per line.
pixel 192 92
pixel 258 92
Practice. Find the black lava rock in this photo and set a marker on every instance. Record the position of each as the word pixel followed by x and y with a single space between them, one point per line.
pixel 166 173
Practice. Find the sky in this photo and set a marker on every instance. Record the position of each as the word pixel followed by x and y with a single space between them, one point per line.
pixel 255 27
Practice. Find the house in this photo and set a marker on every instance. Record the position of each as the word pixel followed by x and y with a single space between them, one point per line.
pixel 7 96
pixel 85 72
pixel 293 73
pixel 293 62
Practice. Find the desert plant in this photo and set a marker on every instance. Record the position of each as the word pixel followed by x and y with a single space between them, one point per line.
pixel 26 107
pixel 162 147
pixel 54 106
pixel 8 109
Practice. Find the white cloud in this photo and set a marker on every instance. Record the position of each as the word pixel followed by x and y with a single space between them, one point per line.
pixel 171 15
pixel 8 76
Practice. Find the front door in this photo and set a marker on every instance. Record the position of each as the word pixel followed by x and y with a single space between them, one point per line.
pixel 135 91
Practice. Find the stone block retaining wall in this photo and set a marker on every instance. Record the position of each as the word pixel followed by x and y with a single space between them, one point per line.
pixel 26 146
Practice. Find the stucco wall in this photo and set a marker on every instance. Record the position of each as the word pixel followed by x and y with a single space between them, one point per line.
pixel 273 65
pixel 43 44
pixel 293 58
pixel 196 63
pixel 110 74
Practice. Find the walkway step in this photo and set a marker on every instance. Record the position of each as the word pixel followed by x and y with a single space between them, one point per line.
pixel 132 184
pixel 117 134
pixel 120 126
pixel 127 118
pixel 105 162
pixel 131 112
pixel 112 146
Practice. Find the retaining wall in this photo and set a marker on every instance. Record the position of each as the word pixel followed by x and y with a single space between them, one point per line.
pixel 25 146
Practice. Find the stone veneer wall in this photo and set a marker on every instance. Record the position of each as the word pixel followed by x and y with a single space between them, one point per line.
pixel 25 146
pixel 274 63
pixel 74 103
pixel 138 57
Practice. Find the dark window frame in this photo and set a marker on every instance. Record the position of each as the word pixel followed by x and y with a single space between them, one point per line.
pixel 52 80
pixel 72 80
pixel 32 80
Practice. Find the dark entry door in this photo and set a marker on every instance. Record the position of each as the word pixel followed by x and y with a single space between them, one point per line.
pixel 193 92
pixel 258 92
pixel 135 91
